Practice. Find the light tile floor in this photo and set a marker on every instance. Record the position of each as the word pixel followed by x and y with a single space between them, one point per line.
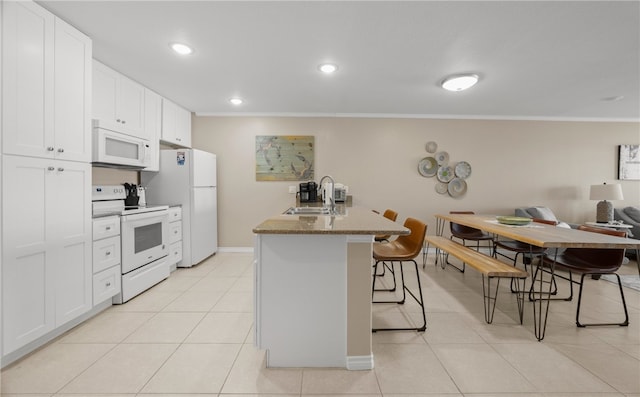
pixel 191 336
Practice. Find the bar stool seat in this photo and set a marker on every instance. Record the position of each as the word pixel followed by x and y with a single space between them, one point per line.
pixel 392 216
pixel 403 249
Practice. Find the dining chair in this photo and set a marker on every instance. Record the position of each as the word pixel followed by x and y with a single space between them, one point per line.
pixel 403 249
pixel 527 251
pixel 466 233
pixel 589 261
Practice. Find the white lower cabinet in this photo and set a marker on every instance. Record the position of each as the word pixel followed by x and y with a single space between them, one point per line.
pixel 107 253
pixel 175 235
pixel 106 284
pixel 46 246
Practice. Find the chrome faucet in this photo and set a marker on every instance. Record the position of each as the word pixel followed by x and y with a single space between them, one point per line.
pixel 332 200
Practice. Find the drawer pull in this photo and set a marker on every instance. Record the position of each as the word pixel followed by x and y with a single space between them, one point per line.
pixel 108 284
pixel 108 227
pixel 108 253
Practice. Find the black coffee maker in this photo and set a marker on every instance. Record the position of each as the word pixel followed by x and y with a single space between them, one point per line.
pixel 308 192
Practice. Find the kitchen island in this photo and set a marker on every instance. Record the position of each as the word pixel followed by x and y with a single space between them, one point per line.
pixel 313 287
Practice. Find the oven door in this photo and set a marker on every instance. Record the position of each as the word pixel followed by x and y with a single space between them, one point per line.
pixel 144 238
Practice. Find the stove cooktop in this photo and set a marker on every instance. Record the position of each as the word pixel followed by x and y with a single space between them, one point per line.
pixel 117 207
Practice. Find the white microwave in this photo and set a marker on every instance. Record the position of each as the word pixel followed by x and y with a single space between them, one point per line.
pixel 114 149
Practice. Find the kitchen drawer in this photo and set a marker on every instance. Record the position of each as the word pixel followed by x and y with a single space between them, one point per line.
pixel 175 214
pixel 106 284
pixel 106 253
pixel 106 227
pixel 175 232
pixel 175 252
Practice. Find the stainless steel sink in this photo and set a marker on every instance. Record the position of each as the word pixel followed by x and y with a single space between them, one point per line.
pixel 308 211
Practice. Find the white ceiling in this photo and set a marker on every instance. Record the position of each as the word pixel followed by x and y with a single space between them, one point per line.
pixel 536 60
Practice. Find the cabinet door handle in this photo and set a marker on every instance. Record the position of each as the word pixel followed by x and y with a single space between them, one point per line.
pixel 108 284
pixel 51 168
pixel 124 121
pixel 108 253
pixel 60 169
pixel 60 150
pixel 179 139
pixel 108 227
pixel 118 120
pixel 50 148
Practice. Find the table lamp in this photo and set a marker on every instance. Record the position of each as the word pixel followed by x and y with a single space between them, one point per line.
pixel 604 192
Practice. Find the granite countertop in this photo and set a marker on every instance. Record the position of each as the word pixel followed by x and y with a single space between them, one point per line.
pixel 350 220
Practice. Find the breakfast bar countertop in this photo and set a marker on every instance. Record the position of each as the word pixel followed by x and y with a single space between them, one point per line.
pixel 349 220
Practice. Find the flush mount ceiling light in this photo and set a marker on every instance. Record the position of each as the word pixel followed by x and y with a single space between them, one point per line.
pixel 181 49
pixel 328 68
pixel 236 101
pixel 613 98
pixel 459 82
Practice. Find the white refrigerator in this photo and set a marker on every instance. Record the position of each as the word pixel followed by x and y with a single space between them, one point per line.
pixel 187 177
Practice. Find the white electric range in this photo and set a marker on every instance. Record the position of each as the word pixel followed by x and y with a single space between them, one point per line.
pixel 144 231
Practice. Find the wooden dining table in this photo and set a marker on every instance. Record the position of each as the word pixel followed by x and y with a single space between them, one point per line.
pixel 540 235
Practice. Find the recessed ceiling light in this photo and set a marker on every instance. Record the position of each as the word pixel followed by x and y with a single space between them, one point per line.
pixel 236 101
pixel 459 82
pixel 328 68
pixel 181 49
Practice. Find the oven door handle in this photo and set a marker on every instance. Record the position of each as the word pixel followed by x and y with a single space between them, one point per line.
pixel 146 215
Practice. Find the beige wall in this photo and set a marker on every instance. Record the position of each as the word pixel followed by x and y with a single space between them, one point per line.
pixel 514 163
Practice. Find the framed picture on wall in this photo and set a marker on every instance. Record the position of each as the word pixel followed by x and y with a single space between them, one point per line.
pixel 629 162
pixel 284 157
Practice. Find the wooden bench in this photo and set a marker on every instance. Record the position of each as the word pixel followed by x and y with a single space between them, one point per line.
pixel 489 267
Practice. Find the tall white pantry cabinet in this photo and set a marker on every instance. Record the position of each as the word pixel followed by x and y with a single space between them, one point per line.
pixel 46 174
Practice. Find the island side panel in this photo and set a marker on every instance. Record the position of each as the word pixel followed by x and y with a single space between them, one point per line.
pixel 359 273
pixel 301 299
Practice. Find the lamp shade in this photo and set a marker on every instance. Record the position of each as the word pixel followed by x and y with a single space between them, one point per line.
pixel 606 192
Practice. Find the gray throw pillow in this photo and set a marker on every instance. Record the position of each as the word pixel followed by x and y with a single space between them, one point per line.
pixel 633 212
pixel 542 213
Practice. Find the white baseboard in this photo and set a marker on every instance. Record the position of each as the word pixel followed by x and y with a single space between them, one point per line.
pixel 360 363
pixel 236 249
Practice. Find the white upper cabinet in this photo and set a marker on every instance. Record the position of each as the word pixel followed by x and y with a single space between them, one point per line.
pixel 176 124
pixel 46 85
pixel 118 102
pixel 152 126
pixel 72 87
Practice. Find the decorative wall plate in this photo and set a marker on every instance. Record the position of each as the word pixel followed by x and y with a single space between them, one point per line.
pixel 428 167
pixel 457 187
pixel 442 158
pixel 432 147
pixel 445 174
pixel 441 187
pixel 463 170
